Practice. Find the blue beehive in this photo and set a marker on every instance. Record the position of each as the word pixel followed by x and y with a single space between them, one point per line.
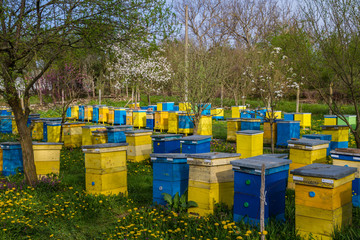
pixel 12 158
pixel 196 144
pixel 81 113
pixel 286 130
pixel 245 114
pixel 95 117
pixel 37 115
pixel 247 183
pixel 289 116
pixel 326 137
pixel 5 112
pixel 120 116
pixel 154 107
pixel 176 108
pixel 185 121
pixel 167 106
pixel 116 134
pixel 150 120
pixel 166 143
pixel 207 108
pixel 170 175
pixel 250 124
pixel 5 124
pixel 46 123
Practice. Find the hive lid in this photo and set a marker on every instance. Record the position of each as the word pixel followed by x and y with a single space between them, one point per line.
pixel 139 131
pixel 302 113
pixel 99 131
pixel 316 135
pixel 196 137
pixel 168 155
pixel 332 126
pixel 277 155
pixel 93 126
pixel 166 136
pixel 233 119
pixel 51 123
pixel 9 143
pixel 213 155
pixel 104 145
pixel 250 120
pixel 346 151
pixel 139 110
pixel 119 127
pixel 249 132
pixel 308 142
pixel 5 116
pixel 47 143
pixel 74 123
pixel 324 171
pixel 289 113
pixel 52 119
pixel 330 116
pixel 257 162
pixel 286 121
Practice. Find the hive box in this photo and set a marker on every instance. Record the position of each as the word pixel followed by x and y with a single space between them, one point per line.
pixel 46 122
pixel 289 116
pixel 37 132
pixel 286 130
pixel 47 158
pixel 99 136
pixel 53 132
pixel 120 116
pixel 129 117
pixel 72 134
pixel 217 113
pixel 150 120
pixel 95 116
pixel 211 181
pixel 139 118
pixel 322 199
pixel 233 125
pixel 235 111
pixel 166 143
pixel 267 132
pixel 250 124
pixel 247 184
pixel 184 107
pixel 326 137
pixel 116 134
pixel 304 118
pixel 173 121
pixel 205 125
pixel 74 112
pixel 249 143
pixel 339 135
pixel 12 158
pixel 186 125
pixel 139 148
pixel 88 113
pixel 195 144
pixel 103 114
pixel 330 120
pixel 161 120
pixel 170 175
pixel 86 133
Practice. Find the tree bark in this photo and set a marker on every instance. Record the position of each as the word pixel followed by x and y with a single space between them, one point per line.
pixel 330 97
pixel 222 95
pixel 297 99
pixel 243 100
pixel 262 202
pixel 149 99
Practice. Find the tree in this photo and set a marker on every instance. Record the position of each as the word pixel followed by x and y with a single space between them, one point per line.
pixel 37 32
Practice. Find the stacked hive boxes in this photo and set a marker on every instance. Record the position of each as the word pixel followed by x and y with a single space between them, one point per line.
pixel 186 125
pixel 116 134
pixel 205 125
pixel 139 118
pixel 233 125
pixel 150 120
pixel 170 175
pixel 72 134
pixel 322 199
pixel 250 124
pixel 38 129
pixel 235 111
pixel 120 116
pixel 267 132
pixel 53 132
pixel 247 184
pixel 47 158
pixel 319 137
pixel 173 122
pixel 349 157
pixel 81 113
pixel 304 118
pixel 12 158
pixel 129 117
pixel 161 120
pixel 217 113
pixel 88 113
pixel 304 152
pixel 103 114
pixel 86 133
pixel 111 116
pixel 249 143
pixel 106 171
pixel 286 130
pixel 95 116
pixel 166 143
pixel 99 136
pixel 74 112
pixel 195 144
pixel 339 135
pixel 139 148
pixel 211 181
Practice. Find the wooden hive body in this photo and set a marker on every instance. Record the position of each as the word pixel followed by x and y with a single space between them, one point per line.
pixel 205 125
pixel 233 125
pixel 72 134
pixel 249 143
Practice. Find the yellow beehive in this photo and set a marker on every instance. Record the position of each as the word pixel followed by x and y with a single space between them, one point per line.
pixel 132 105
pixel 338 133
pixel 274 115
pixel 159 106
pixel 47 158
pixel 38 129
pixel 106 171
pixel 173 122
pixel 111 115
pixel 72 133
pixel 184 107
pixel 103 114
pixel 235 111
pixel 205 125
pixel 53 132
pixel 75 112
pixel 304 118
pixel 217 112
pixel 292 166
pixel 233 125
pixel 330 120
pixel 86 134
pixel 211 181
pixel 308 151
pixel 14 126
pixel 267 133
pixel 249 143
pixel 99 137
pixel 161 120
pixel 88 113
pixel 140 145
pixel 129 117
pixel 139 118
pixel 323 196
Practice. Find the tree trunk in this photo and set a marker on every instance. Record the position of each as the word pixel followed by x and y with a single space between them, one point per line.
pixel 40 93
pixel 243 100
pixel 149 99
pixel 297 99
pixel 330 97
pixel 222 95
pixel 132 94
pixel 236 99
pixel 127 91
pixel 93 88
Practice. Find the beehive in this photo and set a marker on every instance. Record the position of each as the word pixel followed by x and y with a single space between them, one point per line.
pixel 120 116
pixel 339 135
pixel 330 120
pixel 322 199
pixel 289 116
pixel 95 116
pixel 86 133
pixel 211 181
pixel 103 114
pixel 186 124
pixel 116 134
pixel 267 132
pixel 5 124
pixel 304 118
pixel 286 130
pixel 247 184
pixel 250 124
pixel 35 116
pixel 68 113
pixel 170 175
pixel 233 125
pixel 46 122
pixel 88 113
pixel 349 157
pixel 185 107
pixel 161 120
pixel 217 113
pixel 74 112
pixel 72 134
pixel 168 106
pixel 249 143
pixel 111 116
pixel 81 113
pixel 14 126
pixel 129 117
pixel 12 160
pixel 205 125
pixel 37 132
pixel 47 158
pixel 206 108
pixel 150 120
pixel 350 118
pixel 325 137
pixel 132 105
pixel 166 143
pixel 53 132
pixel 235 111
pixel 139 148
pixel 139 118
pixel 273 115
pixel 173 122
pixel 195 144
pixel 246 114
pixel 106 171
pixel 99 136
